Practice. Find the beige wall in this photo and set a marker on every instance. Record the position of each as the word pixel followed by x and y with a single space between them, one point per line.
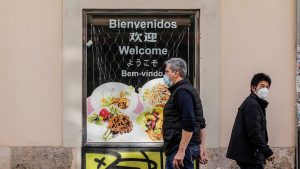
pixel 259 36
pixel 30 72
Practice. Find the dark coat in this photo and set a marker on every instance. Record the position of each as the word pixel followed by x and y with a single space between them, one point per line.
pixel 172 124
pixel 249 137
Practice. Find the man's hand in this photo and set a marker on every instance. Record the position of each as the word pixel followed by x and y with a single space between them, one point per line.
pixel 271 158
pixel 202 156
pixel 178 159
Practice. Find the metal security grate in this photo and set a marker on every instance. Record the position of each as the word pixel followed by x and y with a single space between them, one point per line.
pixel 105 63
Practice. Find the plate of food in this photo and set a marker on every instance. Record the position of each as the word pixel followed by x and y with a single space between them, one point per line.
pixel 154 92
pixel 151 121
pixel 115 108
pixel 108 123
pixel 120 95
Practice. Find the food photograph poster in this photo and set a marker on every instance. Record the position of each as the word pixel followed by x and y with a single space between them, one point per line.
pixel 124 54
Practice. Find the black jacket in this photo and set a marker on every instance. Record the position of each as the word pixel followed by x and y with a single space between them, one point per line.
pixel 249 137
pixel 172 124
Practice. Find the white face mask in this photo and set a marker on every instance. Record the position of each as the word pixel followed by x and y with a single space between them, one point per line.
pixel 167 80
pixel 263 93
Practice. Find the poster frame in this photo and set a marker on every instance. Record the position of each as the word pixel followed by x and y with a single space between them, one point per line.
pixel 194 13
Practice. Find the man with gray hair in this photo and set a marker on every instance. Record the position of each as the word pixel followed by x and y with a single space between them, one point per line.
pixel 183 125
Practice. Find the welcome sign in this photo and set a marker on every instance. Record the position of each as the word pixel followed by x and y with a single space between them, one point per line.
pixel 123 92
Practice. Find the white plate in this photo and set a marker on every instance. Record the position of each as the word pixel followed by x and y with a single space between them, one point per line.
pixel 95 134
pixel 146 86
pixel 113 89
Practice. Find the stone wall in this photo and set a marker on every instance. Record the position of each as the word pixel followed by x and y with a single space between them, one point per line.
pixel 284 159
pixel 62 158
pixel 36 158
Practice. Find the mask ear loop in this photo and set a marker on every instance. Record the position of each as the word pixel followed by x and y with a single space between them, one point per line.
pixel 253 88
pixel 176 71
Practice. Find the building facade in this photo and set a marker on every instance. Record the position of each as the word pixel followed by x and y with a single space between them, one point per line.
pixel 41 57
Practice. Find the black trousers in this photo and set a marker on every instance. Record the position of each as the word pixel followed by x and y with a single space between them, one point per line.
pixel 250 165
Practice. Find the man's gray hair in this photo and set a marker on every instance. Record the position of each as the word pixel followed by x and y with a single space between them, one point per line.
pixel 178 64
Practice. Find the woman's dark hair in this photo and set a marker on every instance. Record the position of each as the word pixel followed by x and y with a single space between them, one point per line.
pixel 258 78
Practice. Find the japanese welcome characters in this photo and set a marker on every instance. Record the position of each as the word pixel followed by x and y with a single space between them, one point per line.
pixel 148 37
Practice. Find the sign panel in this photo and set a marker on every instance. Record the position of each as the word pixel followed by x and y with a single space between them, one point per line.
pixel 124 55
pixel 124 52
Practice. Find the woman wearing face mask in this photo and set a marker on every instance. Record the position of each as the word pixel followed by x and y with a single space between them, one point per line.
pixel 248 144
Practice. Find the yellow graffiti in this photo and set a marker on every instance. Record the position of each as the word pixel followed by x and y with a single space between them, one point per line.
pixel 134 160
pixel 126 160
pixel 92 164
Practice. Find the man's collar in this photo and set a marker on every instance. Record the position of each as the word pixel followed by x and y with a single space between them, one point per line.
pixel 263 103
pixel 172 88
